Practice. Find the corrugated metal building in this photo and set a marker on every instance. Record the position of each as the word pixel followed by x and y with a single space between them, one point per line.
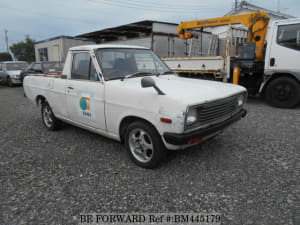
pixel 161 37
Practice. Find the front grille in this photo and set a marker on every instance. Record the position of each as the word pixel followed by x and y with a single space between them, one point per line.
pixel 216 111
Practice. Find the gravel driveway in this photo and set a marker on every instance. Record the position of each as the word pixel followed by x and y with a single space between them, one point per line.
pixel 249 174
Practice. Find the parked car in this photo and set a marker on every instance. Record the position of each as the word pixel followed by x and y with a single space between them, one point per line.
pixel 128 94
pixel 10 72
pixel 43 67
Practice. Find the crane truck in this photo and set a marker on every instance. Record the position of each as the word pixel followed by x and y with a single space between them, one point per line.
pixel 266 64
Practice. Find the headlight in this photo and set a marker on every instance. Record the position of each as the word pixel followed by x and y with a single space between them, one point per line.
pixel 191 116
pixel 240 100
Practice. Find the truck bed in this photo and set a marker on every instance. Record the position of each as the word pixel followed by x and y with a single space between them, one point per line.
pixel 212 65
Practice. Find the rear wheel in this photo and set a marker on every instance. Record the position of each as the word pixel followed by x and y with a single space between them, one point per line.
pixel 144 145
pixel 283 92
pixel 49 120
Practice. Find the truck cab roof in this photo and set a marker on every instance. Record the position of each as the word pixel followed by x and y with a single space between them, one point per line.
pixel 92 47
pixel 287 21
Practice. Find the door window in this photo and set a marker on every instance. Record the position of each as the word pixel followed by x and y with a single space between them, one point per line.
pixel 83 67
pixel 93 73
pixel 289 36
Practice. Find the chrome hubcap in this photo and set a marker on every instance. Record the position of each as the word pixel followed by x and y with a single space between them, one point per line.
pixel 141 145
pixel 47 117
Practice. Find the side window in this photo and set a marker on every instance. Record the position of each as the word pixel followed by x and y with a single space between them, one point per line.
pixel 289 36
pixel 81 66
pixel 0 67
pixel 93 72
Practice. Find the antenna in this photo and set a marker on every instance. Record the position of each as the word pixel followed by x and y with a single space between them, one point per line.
pixel 6 39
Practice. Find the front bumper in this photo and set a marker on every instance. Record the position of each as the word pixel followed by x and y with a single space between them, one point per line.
pixel 16 81
pixel 182 139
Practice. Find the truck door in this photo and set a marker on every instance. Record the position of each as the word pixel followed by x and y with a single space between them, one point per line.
pixel 285 48
pixel 85 93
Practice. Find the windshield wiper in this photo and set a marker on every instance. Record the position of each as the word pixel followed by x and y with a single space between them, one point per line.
pixel 167 72
pixel 137 74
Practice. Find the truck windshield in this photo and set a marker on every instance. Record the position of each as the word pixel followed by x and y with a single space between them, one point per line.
pixel 16 66
pixel 117 63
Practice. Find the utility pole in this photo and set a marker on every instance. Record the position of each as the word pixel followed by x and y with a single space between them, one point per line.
pixel 235 5
pixel 6 39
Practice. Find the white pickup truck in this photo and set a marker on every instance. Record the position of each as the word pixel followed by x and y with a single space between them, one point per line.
pixel 128 94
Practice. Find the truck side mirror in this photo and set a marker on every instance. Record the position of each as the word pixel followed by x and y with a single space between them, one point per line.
pixel 149 82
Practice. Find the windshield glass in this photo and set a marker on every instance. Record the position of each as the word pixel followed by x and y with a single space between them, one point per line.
pixel 16 66
pixel 117 63
pixel 52 67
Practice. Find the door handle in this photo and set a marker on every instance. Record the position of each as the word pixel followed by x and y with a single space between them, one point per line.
pixel 272 61
pixel 70 87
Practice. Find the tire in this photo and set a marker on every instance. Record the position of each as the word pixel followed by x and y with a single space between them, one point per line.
pixel 49 119
pixel 283 92
pixel 144 145
pixel 9 82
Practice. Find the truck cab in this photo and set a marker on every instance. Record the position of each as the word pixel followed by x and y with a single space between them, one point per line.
pixel 281 85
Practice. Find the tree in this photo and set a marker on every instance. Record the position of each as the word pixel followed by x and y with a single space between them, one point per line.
pixel 4 56
pixel 24 50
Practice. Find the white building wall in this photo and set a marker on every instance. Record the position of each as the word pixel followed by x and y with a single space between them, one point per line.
pixel 63 44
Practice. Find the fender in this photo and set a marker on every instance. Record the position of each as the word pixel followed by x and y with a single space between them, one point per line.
pixel 273 74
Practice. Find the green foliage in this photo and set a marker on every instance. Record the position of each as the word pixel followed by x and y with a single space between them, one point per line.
pixel 4 56
pixel 24 50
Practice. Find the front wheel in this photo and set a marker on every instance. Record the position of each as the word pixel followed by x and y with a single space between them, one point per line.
pixel 283 92
pixel 144 145
pixel 49 120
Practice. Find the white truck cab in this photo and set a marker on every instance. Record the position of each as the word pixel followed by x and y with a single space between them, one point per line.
pixel 128 94
pixel 282 64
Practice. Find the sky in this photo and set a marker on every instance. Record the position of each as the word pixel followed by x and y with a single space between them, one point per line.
pixel 43 19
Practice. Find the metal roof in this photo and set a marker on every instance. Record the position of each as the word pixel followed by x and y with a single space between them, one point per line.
pixel 131 30
pixel 63 37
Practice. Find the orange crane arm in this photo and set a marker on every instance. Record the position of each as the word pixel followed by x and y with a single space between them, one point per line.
pixel 257 23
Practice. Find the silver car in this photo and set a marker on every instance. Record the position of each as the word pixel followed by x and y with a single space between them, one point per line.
pixel 10 72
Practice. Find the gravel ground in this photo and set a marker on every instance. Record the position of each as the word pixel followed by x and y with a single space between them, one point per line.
pixel 249 173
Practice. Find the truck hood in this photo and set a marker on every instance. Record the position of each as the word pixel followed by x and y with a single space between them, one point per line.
pixel 195 91
pixel 13 72
pixel 179 94
pixel 185 90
